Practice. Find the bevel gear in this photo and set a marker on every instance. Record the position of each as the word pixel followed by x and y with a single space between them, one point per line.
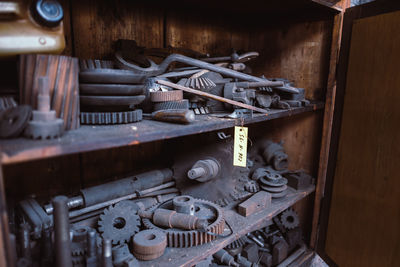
pixel 188 238
pixel 251 186
pixel 120 222
pixel 238 243
pixel 289 219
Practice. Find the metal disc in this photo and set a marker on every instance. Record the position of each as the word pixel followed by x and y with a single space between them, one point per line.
pixel 111 100
pixel 113 76
pixel 111 89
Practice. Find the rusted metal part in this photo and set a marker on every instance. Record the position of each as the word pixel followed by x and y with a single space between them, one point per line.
pixel 91 255
pixel 62 73
pixel 7 102
pixel 190 238
pixel 106 118
pixel 238 243
pixel 204 170
pixel 294 237
pixel 235 57
pixel 61 232
pixel 251 186
pixel 184 204
pixel 119 223
pixel 211 96
pixel 122 257
pixel 164 96
pixel 182 116
pixel 111 89
pixel 266 259
pixel 180 104
pixel 149 244
pixel 111 100
pixel 254 204
pixel 250 251
pixel 44 124
pixel 199 83
pixel 289 219
pixel 14 120
pixel 223 257
pixel 299 180
pixel 110 76
pixel 279 252
pixel 274 154
pixel 155 70
pixel 172 219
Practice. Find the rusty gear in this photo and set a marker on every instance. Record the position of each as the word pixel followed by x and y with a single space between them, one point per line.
pixel 289 219
pixel 149 244
pixel 119 223
pixel 180 104
pixel 251 186
pixel 200 83
pixel 164 96
pixel 183 239
pixel 238 243
pixel 105 118
pixel 14 120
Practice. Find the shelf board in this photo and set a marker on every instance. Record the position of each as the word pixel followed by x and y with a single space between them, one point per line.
pixel 240 226
pixel 89 138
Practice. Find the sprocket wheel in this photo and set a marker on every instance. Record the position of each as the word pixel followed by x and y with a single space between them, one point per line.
pixel 289 219
pixel 120 222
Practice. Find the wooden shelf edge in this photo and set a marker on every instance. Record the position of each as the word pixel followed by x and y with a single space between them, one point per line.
pixel 329 5
pixel 240 226
pixel 91 138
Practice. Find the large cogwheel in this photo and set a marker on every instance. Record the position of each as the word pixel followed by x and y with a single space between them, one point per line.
pixel 120 222
pixel 188 238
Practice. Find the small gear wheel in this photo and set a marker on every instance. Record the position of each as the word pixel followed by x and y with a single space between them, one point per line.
pixel 289 219
pixel 78 244
pixel 120 222
pixel 238 243
pixel 251 186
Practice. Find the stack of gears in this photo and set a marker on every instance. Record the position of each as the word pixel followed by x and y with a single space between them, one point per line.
pixel 108 95
pixel 271 182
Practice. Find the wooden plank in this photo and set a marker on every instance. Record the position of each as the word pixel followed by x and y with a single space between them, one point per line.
pixel 240 226
pixel 98 24
pixel 362 229
pixel 89 138
pixel 327 128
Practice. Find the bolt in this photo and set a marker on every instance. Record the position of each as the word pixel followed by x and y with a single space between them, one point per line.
pixel 196 173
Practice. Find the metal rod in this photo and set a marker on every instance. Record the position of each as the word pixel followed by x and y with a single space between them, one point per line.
pixel 107 254
pixel 25 241
pixel 293 257
pixel 61 232
pixel 215 97
pixel 76 213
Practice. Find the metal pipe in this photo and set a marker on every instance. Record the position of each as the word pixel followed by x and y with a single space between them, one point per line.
pixel 293 257
pixel 76 213
pixel 61 232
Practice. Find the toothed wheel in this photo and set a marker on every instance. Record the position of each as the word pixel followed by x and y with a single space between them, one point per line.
pixel 119 223
pixel 78 244
pixel 289 219
pixel 238 243
pixel 251 186
pixel 182 239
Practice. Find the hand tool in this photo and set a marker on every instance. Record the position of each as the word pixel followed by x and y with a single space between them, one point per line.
pixel 183 116
pixel 215 97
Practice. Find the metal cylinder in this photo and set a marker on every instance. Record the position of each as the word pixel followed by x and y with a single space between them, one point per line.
pixel 184 204
pixel 172 219
pixel 43 96
pixel 91 243
pixel 223 257
pixel 106 260
pixel 196 172
pixel 25 241
pixel 119 188
pixel 204 170
pixel 61 232
pixel 46 248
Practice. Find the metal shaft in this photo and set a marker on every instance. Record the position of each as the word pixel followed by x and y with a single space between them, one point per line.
pixel 61 232
pixel 25 241
pixel 106 260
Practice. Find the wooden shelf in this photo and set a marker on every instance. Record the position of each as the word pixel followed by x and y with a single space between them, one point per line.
pixel 89 138
pixel 240 226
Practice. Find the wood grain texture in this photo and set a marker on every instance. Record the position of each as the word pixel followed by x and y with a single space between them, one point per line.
pixel 98 24
pixel 363 225
pixel 327 127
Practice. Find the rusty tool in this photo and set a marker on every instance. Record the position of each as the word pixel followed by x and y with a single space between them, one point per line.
pixel 183 116
pixel 215 97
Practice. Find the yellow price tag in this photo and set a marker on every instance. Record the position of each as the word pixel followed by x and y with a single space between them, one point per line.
pixel 240 147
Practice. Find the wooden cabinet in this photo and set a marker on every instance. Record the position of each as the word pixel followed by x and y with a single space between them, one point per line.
pixel 297 40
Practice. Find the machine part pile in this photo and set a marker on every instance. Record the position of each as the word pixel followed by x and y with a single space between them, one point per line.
pixel 189 238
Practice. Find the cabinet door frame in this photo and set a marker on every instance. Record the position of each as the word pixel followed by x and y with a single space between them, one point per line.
pixel 377 7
